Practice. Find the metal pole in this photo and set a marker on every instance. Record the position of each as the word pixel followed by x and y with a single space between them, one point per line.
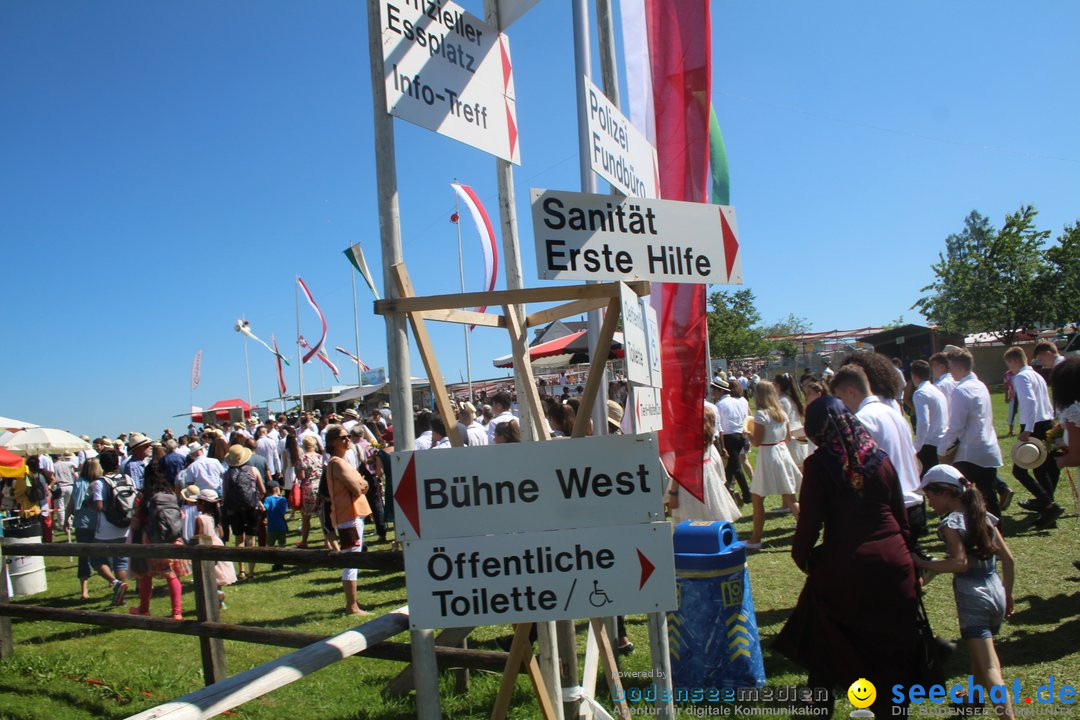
pixel 247 366
pixel 425 669
pixel 299 349
pixel 461 277
pixel 582 70
pixel 356 329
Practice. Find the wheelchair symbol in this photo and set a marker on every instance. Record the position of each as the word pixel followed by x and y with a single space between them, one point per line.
pixel 598 598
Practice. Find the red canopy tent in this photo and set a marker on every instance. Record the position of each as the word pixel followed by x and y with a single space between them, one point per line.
pixel 566 350
pixel 221 409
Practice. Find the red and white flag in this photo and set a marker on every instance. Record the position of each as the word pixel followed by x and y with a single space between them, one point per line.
pixel 311 301
pixel 196 370
pixel 321 355
pixel 359 363
pixel 486 232
pixel 280 369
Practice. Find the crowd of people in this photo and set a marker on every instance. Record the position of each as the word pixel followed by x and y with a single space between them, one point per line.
pixel 856 455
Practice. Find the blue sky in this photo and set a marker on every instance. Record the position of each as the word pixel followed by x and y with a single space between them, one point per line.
pixel 168 167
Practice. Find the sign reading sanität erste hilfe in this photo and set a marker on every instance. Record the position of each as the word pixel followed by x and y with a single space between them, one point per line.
pixel 540 576
pixel 448 71
pixel 581 236
pixel 517 487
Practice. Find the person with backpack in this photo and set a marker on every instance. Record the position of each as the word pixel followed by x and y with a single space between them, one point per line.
pixel 157 519
pixel 243 493
pixel 113 495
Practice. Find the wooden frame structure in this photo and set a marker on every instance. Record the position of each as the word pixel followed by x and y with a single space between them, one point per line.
pixel 574 299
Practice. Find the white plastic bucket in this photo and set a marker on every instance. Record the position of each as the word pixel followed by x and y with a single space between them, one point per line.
pixel 27 573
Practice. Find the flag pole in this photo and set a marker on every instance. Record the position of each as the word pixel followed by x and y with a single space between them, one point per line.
pixel 247 365
pixel 461 276
pixel 299 350
pixel 356 329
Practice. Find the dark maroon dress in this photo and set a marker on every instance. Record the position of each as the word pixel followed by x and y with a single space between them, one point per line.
pixel 856 615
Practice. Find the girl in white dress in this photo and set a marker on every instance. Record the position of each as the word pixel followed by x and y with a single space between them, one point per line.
pixel 718 505
pixel 775 472
pixel 792 406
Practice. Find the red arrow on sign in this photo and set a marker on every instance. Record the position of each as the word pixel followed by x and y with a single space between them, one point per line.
pixel 731 243
pixel 646 568
pixel 405 495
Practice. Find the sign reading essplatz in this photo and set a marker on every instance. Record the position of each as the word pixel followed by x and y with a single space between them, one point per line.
pixel 580 236
pixel 448 71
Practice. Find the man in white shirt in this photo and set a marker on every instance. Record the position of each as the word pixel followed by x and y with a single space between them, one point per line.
pixel 931 416
pixel 203 471
pixel 113 569
pixel 351 418
pixel 84 455
pixel 731 414
pixel 1036 419
pixel 500 408
pixel 472 432
pixel 422 430
pixel 65 472
pixel 439 439
pixel 939 375
pixel 267 449
pixel 971 430
pixel 890 431
pixel 1047 355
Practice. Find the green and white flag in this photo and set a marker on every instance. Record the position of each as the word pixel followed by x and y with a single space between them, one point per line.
pixel 356 257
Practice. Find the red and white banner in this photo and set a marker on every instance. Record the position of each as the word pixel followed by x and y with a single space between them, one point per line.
pixel 196 370
pixel 319 353
pixel 311 301
pixel 359 363
pixel 280 369
pixel 678 53
pixel 487 235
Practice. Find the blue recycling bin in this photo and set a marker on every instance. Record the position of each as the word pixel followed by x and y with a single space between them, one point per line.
pixel 713 636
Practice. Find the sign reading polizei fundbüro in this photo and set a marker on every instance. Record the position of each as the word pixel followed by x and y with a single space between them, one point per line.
pixel 448 71
pixel 597 237
pixel 540 576
pixel 517 487
pixel 618 151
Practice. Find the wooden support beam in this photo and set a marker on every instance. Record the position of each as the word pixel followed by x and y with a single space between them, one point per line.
pixel 521 658
pixel 596 368
pixel 464 317
pixel 524 371
pixel 427 354
pixel 389 560
pixel 611 668
pixel 555 293
pixel 543 317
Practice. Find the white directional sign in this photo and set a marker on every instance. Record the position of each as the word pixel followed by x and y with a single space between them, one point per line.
pixel 598 237
pixel 516 487
pixel 644 409
pixel 448 71
pixel 539 576
pixel 618 151
pixel 652 341
pixel 635 348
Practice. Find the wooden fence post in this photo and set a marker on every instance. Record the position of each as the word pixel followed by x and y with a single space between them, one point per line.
pixel 7 642
pixel 208 609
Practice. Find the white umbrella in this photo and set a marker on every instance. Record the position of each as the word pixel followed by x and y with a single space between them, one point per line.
pixel 40 440
pixel 11 424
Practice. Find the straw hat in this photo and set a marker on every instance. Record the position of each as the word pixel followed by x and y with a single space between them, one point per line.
pixel 207 495
pixel 748 426
pixel 137 440
pixel 190 494
pixel 614 413
pixel 194 448
pixel 351 413
pixel 1029 454
pixel 719 384
pixel 238 455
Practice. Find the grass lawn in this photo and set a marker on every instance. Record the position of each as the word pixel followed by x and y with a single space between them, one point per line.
pixel 63 670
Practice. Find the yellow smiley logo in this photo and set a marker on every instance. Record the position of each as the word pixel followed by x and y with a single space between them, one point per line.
pixel 862 693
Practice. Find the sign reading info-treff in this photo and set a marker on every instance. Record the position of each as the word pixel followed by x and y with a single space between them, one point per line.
pixel 581 236
pixel 540 576
pixel 517 487
pixel 448 71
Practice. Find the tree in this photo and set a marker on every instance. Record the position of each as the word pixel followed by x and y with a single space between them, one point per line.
pixel 990 280
pixel 791 325
pixel 733 318
pixel 1062 281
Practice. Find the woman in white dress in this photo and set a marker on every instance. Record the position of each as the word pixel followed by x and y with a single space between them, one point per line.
pixel 718 504
pixel 775 472
pixel 792 405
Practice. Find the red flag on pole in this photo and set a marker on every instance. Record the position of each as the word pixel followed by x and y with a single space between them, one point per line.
pixel 311 301
pixel 280 369
pixel 679 46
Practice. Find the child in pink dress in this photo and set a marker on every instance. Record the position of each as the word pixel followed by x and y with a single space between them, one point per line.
pixel 209 523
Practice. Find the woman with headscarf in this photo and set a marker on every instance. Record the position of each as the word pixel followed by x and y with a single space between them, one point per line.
pixel 857 614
